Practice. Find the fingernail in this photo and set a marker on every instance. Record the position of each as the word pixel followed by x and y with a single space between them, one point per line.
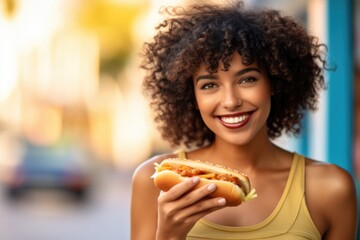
pixel 211 187
pixel 222 201
pixel 195 179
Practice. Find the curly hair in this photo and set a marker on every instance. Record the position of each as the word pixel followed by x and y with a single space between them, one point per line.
pixel 294 62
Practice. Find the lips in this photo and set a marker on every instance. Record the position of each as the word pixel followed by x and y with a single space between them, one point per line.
pixel 235 121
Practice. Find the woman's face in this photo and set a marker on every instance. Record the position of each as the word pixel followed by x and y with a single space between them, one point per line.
pixel 234 104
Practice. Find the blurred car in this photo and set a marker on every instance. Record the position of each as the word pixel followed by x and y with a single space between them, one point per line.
pixel 50 167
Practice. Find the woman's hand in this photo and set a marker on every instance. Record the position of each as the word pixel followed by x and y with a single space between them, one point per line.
pixel 181 207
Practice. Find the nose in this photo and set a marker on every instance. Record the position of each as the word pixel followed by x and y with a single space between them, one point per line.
pixel 231 99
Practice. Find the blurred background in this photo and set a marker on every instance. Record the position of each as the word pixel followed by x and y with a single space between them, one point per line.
pixel 74 124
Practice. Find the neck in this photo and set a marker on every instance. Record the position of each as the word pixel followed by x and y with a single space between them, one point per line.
pixel 256 154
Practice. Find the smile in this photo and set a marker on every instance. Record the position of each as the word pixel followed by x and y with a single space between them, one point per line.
pixel 235 121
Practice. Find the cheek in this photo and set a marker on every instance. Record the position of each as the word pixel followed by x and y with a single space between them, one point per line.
pixel 264 102
pixel 264 92
pixel 202 102
pixel 206 103
pixel 203 105
pixel 259 97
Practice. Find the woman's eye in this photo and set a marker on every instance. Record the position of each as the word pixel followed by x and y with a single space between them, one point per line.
pixel 247 80
pixel 208 86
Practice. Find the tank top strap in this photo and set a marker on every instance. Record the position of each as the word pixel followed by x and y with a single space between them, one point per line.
pixel 290 203
pixel 300 176
pixel 298 179
pixel 181 153
pixel 285 214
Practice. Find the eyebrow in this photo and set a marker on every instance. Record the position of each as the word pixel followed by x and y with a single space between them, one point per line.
pixel 241 72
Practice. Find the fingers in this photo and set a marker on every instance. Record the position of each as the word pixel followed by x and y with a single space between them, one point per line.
pixel 199 209
pixel 195 204
pixel 184 204
pixel 183 200
pixel 180 189
pixel 187 194
pixel 196 195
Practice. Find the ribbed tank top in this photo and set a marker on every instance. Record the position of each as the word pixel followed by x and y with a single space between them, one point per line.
pixel 290 219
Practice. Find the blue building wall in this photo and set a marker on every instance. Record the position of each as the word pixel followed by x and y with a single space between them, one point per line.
pixel 340 92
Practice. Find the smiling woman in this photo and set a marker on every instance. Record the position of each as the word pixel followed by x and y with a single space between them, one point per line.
pixel 224 81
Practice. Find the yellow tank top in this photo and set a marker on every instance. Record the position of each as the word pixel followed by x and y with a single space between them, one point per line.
pixel 290 219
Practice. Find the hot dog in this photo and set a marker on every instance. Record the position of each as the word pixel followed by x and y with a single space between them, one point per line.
pixel 232 185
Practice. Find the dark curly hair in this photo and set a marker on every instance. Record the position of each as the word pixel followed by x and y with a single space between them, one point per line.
pixel 293 60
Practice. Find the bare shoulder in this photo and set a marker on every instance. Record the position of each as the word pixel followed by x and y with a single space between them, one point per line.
pixel 329 178
pixel 330 193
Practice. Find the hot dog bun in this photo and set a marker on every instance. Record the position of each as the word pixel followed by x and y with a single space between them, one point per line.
pixel 168 174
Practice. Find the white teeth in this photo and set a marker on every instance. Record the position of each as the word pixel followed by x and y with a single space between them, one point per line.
pixel 233 120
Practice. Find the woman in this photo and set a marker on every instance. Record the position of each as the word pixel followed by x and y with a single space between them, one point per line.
pixel 224 82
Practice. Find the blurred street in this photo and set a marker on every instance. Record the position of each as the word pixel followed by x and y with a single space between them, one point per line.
pixel 40 215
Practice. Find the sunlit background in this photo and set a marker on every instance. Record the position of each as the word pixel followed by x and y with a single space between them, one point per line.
pixel 72 114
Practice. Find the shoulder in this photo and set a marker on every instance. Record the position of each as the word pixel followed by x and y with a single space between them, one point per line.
pixel 330 192
pixel 329 178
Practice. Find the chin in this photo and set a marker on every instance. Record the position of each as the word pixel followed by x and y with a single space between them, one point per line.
pixel 239 141
pixel 242 138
